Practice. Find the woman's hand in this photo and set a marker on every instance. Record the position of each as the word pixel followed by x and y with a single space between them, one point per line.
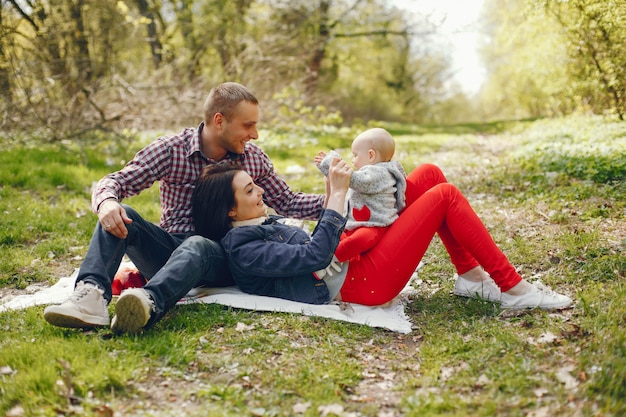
pixel 338 182
pixel 339 175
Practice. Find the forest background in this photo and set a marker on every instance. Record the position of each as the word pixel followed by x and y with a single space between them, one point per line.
pixel 80 65
pixel 539 150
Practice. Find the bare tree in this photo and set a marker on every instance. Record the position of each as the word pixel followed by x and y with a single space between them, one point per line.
pixel 154 40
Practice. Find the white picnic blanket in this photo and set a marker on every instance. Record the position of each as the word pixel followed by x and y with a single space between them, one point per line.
pixel 391 316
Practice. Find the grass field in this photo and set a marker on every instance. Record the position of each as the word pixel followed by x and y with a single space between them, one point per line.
pixel 552 192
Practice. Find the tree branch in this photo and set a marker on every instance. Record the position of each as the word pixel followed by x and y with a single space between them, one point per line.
pixel 24 14
pixel 344 14
pixel 381 32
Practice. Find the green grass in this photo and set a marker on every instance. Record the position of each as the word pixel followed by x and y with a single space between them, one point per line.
pixel 550 191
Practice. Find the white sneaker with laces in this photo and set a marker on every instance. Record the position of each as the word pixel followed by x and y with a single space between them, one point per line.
pixel 86 308
pixel 132 311
pixel 486 290
pixel 539 296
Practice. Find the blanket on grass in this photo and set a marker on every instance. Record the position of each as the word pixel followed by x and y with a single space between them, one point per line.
pixel 390 316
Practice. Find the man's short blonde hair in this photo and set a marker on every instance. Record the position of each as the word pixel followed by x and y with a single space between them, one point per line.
pixel 224 98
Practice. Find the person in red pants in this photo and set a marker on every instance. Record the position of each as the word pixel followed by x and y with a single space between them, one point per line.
pixel 269 258
pixel 436 206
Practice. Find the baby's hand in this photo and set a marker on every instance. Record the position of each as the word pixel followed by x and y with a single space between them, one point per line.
pixel 319 158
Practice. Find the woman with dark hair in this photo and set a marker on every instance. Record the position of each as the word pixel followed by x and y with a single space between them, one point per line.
pixel 215 182
pixel 267 257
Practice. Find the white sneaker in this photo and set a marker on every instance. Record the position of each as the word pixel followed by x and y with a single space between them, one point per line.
pixel 86 308
pixel 132 311
pixel 486 290
pixel 539 296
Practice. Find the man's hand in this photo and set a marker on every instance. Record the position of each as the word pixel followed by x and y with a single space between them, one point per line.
pixel 113 218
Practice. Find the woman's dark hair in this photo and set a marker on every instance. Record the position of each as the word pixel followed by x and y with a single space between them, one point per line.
pixel 212 199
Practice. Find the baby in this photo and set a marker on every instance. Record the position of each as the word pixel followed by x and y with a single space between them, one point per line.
pixel 376 193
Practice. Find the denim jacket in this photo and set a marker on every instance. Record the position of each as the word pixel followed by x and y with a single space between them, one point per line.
pixel 278 260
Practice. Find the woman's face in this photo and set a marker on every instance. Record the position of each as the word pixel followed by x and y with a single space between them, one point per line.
pixel 248 198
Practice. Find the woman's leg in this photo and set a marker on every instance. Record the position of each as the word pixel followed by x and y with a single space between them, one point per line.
pixel 380 274
pixel 422 179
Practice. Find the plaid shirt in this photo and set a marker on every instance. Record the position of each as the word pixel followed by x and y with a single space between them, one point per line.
pixel 176 162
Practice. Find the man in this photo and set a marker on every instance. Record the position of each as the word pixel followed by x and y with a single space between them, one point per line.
pixel 170 256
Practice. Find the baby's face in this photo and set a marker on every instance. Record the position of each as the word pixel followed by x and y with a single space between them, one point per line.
pixel 361 154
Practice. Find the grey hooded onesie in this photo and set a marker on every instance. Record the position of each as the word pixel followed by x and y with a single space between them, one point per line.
pixel 376 193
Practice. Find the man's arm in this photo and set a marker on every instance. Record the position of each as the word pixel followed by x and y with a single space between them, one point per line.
pixel 140 173
pixel 278 195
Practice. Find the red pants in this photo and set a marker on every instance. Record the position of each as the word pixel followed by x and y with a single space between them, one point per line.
pixel 433 206
pixel 354 242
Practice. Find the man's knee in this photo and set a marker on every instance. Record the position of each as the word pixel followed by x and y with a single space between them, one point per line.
pixel 131 212
pixel 200 244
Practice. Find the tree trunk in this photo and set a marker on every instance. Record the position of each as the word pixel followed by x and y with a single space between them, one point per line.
pixel 319 53
pixel 156 48
pixel 79 39
pixel 5 79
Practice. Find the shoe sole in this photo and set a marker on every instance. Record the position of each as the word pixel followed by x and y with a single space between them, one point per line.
pixel 542 307
pixel 562 305
pixel 63 320
pixel 476 294
pixel 131 315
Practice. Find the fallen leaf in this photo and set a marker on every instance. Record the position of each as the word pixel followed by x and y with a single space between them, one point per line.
pixel 547 337
pixel 16 411
pixel 258 412
pixel 104 411
pixel 325 410
pixel 482 381
pixel 6 370
pixel 388 376
pixel 241 327
pixel 300 408
pixel 446 373
pixel 564 376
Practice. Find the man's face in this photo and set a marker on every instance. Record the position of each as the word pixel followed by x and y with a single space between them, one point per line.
pixel 241 128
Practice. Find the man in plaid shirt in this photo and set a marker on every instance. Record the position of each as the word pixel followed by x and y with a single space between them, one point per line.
pixel 170 256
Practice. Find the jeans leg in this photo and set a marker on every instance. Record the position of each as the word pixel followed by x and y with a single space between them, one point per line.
pixel 196 262
pixel 147 245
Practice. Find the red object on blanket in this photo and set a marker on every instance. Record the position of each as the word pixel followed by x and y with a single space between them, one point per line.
pixel 127 278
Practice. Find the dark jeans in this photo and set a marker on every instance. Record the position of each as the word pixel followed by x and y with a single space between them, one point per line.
pixel 172 263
